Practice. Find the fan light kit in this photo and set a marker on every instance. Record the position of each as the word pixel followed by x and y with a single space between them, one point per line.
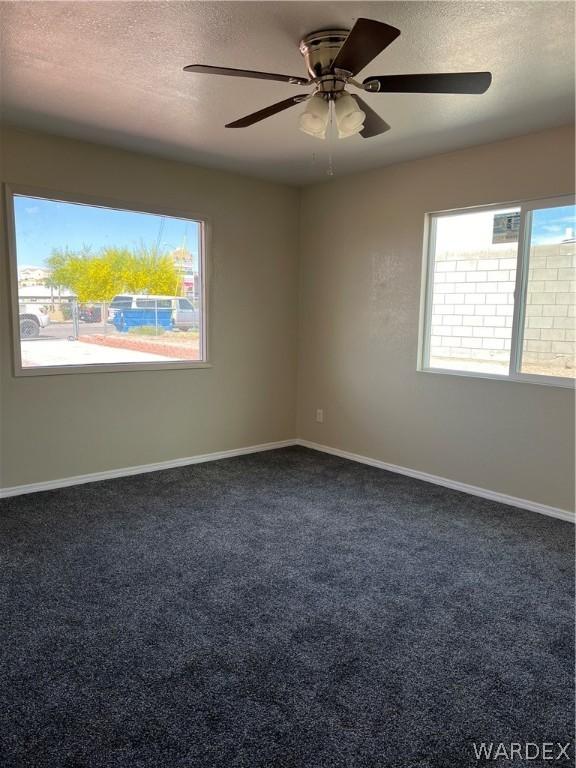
pixel 333 58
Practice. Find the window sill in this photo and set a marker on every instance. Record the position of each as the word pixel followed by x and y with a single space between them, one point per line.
pixel 546 381
pixel 114 368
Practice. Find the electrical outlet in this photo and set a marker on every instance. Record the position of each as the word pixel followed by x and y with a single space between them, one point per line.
pixel 320 415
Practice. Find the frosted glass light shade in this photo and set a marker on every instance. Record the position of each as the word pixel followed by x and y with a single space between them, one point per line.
pixel 349 116
pixel 314 119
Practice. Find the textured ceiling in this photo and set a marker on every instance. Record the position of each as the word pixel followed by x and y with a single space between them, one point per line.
pixel 111 72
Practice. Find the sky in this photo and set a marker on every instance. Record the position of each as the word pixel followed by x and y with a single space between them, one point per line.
pixel 42 225
pixel 549 225
pixel 473 231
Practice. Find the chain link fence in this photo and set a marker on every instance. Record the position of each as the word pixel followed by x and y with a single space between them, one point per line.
pixel 67 318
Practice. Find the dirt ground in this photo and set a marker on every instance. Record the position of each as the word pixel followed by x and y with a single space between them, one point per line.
pixel 182 346
pixel 549 369
pixel 559 368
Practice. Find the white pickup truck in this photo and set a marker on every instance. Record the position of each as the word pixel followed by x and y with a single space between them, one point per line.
pixel 32 318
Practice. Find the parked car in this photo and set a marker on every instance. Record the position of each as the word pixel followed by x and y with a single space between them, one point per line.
pixel 89 313
pixel 184 316
pixel 32 318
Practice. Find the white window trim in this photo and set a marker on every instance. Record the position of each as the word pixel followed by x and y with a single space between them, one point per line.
pixel 514 374
pixel 10 190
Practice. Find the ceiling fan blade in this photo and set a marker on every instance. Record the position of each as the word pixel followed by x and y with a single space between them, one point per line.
pixel 366 40
pixel 373 124
pixel 273 109
pixel 204 69
pixel 457 82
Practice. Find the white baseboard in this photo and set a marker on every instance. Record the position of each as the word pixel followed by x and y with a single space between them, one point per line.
pixel 49 485
pixel 503 498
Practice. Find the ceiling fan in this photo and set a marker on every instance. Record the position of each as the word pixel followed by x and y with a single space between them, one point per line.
pixel 333 58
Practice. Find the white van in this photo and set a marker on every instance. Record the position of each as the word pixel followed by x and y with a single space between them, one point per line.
pixel 184 316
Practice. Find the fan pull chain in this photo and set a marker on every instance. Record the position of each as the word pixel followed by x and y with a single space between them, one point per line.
pixel 330 171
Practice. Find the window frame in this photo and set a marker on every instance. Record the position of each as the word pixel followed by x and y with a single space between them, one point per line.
pixel 11 190
pixel 520 291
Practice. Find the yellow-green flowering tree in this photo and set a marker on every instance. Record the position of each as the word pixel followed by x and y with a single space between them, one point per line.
pixel 99 277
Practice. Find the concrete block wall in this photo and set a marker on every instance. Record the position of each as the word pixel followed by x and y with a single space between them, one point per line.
pixel 550 331
pixel 473 305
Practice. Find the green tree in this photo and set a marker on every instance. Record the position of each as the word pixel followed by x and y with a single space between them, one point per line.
pixel 64 268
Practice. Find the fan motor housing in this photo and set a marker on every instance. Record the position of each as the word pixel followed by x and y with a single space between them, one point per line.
pixel 320 49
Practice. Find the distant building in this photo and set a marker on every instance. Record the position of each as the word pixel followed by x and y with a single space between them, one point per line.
pixel 188 270
pixel 30 276
pixel 44 292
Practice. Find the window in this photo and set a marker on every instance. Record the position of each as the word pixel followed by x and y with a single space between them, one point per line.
pixel 105 288
pixel 153 303
pixel 500 292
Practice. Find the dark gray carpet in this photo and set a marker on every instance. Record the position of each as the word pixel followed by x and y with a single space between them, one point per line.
pixel 281 610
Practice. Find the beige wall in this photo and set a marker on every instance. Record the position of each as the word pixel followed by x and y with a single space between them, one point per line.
pixel 361 257
pixel 360 250
pixel 58 426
